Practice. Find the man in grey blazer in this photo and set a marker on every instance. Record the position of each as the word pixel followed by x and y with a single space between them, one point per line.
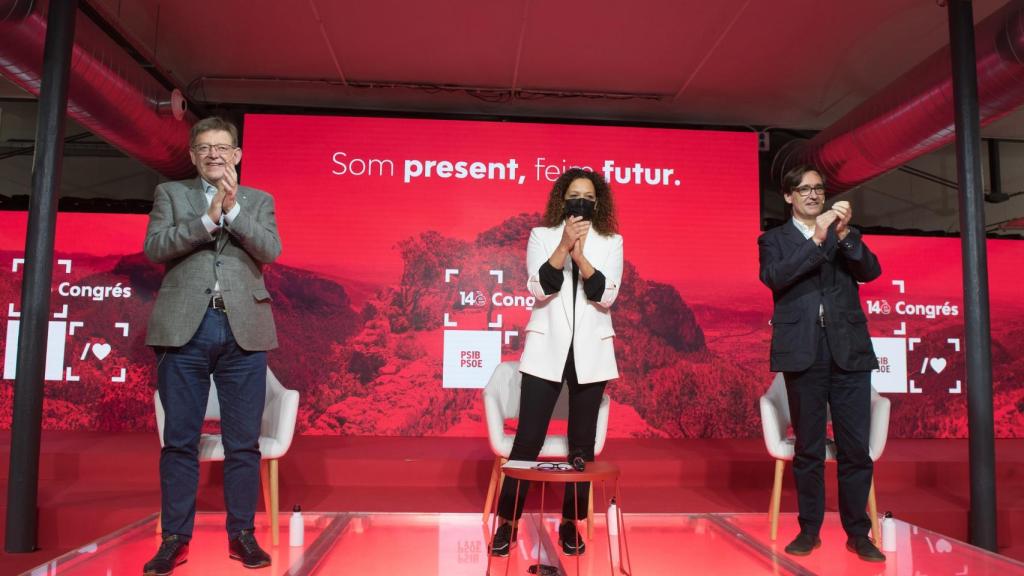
pixel 212 317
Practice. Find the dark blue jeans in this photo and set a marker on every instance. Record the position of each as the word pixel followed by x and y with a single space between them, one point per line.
pixel 183 380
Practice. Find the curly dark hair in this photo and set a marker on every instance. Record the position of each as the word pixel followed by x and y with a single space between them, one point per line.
pixel 604 220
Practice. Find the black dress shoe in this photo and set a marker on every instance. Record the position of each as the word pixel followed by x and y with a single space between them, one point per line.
pixel 173 551
pixel 504 538
pixel 570 540
pixel 803 544
pixel 864 548
pixel 246 550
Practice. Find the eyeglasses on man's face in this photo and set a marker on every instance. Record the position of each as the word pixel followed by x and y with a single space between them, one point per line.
pixel 805 190
pixel 207 149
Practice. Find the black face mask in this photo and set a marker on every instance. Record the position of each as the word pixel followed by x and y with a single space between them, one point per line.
pixel 580 207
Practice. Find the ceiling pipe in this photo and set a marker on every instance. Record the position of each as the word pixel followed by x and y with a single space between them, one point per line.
pixel 914 115
pixel 109 93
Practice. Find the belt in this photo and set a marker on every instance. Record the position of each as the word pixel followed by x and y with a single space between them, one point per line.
pixel 217 303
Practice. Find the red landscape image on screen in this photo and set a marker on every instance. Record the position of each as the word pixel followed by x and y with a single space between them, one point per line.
pixel 364 287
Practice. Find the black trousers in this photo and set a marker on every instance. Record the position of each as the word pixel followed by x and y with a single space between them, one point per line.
pixel 848 395
pixel 535 407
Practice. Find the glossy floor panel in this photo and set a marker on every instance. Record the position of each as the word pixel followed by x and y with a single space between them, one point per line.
pixel 454 545
pixel 919 552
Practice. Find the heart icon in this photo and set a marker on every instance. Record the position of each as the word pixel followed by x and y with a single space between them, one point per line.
pixel 103 350
pixel 938 364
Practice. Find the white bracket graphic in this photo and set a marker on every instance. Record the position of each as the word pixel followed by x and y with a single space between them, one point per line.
pixel 448 323
pixel 69 376
pixel 911 342
pixel 73 325
pixel 957 389
pixel 496 323
pixel 914 389
pixel 63 314
pixel 15 263
pixel 448 273
pixel 955 342
pixel 499 274
pixel 66 264
pixel 11 311
pixel 509 334
pixel 122 377
pixel 901 285
pixel 122 325
pixel 901 331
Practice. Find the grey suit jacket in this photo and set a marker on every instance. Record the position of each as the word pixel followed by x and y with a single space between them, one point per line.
pixel 195 260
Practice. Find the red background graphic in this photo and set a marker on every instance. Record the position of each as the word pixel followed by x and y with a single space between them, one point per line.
pixel 360 292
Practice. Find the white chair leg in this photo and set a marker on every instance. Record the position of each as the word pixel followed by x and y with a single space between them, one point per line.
pixel 876 534
pixel 776 502
pixel 492 486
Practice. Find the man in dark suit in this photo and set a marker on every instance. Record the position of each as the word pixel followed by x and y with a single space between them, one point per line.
pixel 820 343
pixel 212 317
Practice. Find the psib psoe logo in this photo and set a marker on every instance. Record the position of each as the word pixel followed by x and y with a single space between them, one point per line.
pixel 471 354
pixel 64 332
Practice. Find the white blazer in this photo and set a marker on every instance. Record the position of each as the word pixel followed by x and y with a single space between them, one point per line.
pixel 550 330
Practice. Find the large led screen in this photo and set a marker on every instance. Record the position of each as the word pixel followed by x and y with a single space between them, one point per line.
pixel 402 283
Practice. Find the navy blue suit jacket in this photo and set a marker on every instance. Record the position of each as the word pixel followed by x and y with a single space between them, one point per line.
pixel 804 276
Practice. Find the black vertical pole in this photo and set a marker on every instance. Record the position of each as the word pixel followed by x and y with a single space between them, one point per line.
pixel 23 484
pixel 977 345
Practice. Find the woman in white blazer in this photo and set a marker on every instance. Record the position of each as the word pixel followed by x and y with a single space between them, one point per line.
pixel 574 264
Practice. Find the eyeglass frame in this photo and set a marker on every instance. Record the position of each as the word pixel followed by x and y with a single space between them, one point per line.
pixel 554 466
pixel 197 148
pixel 805 190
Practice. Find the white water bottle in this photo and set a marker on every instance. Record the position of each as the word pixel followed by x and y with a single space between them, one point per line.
pixel 888 533
pixel 296 528
pixel 613 518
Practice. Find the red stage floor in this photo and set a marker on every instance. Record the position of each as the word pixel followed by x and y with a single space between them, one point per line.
pixel 92 484
pixel 406 544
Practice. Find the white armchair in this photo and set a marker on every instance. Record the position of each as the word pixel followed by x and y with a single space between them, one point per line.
pixel 501 401
pixel 280 412
pixel 775 420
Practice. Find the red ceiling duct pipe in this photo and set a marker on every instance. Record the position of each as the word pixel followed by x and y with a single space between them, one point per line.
pixel 914 115
pixel 108 92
